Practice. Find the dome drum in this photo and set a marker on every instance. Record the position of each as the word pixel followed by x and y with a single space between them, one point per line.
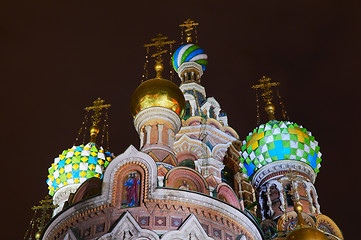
pixel 186 70
pixel 161 114
pixel 277 168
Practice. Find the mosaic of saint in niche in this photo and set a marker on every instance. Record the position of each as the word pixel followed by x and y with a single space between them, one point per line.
pixel 185 185
pixel 131 190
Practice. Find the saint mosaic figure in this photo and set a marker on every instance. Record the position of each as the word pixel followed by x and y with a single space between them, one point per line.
pixel 132 186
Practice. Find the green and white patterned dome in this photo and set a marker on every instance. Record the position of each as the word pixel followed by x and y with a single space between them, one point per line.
pixel 76 165
pixel 279 140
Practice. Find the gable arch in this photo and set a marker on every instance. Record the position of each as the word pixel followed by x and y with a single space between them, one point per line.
pixel 226 194
pixel 131 157
pixel 195 120
pixel 213 122
pixel 187 146
pixel 176 177
pixel 87 189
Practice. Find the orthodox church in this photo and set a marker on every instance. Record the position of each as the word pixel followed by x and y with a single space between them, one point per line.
pixel 192 177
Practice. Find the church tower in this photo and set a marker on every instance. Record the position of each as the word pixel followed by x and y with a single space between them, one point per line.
pixel 157 106
pixel 282 159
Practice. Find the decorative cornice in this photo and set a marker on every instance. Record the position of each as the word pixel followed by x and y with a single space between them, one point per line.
pixel 63 193
pixel 157 113
pixel 191 86
pixel 186 66
pixel 282 165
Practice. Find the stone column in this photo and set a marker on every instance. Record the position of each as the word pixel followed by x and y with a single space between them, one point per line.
pixel 148 130
pixel 269 202
pixel 160 131
pixel 170 137
pixel 141 135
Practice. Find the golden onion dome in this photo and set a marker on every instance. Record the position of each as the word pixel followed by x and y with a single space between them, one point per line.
pixel 157 92
pixel 303 232
pixel 306 233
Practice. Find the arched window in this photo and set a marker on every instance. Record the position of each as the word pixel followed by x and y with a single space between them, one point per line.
pixel 289 195
pixel 228 176
pixel 313 199
pixel 211 112
pixel 188 112
pixel 188 163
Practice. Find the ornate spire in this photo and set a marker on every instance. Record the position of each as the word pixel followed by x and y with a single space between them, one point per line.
pixel 96 117
pixel 189 26
pixel 265 84
pixel 158 42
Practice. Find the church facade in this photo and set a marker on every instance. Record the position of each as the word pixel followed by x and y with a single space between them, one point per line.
pixel 192 177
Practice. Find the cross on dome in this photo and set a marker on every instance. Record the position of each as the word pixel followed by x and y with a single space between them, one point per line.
pixel 265 84
pixel 189 27
pixel 159 42
pixel 96 117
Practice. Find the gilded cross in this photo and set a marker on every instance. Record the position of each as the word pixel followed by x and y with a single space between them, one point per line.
pixel 265 84
pixel 189 26
pixel 45 205
pixel 98 105
pixel 159 42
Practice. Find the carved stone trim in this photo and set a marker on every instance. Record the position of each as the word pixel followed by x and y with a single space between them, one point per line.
pixel 160 113
pixel 282 165
pixel 190 229
pixel 128 228
pixel 190 66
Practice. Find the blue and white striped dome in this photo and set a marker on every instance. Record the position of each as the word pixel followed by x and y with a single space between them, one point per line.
pixel 189 53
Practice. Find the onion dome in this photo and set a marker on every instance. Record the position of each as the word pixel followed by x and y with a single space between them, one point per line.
pixel 303 232
pixel 158 92
pixel 76 165
pixel 279 140
pixel 189 53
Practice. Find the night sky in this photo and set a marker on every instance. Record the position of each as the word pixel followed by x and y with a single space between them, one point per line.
pixel 56 57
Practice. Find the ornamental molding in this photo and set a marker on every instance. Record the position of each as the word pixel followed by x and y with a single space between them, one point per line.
pixel 191 228
pixel 128 228
pixel 186 66
pixel 191 86
pixel 216 205
pixel 62 194
pixel 157 113
pixel 219 150
pixel 186 144
pixel 212 131
pixel 282 165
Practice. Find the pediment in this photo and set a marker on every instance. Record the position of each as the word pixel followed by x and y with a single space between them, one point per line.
pixel 190 229
pixel 127 228
pixel 72 234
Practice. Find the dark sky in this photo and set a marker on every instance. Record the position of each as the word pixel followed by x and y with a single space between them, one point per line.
pixel 56 57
